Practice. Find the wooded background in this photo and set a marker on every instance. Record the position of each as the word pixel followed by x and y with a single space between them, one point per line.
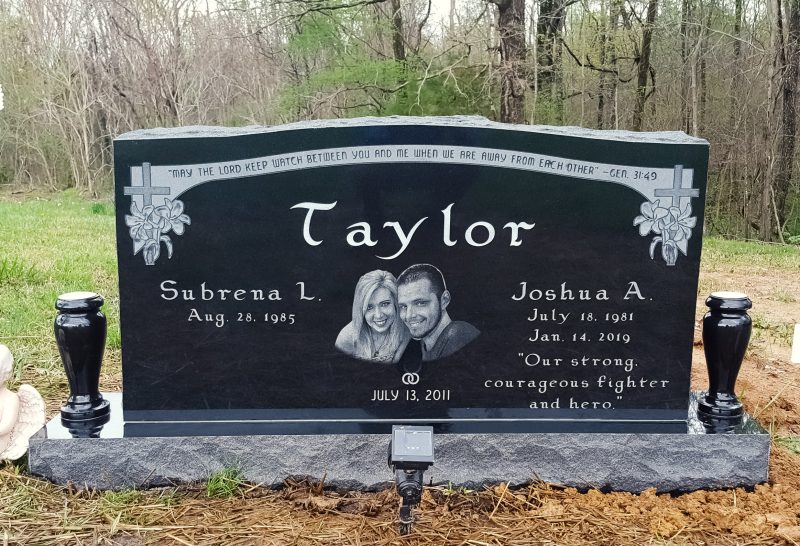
pixel 76 73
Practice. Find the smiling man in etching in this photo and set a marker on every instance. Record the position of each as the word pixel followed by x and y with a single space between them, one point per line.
pixel 423 299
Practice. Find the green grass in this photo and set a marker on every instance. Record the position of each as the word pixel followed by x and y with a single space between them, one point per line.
pixel 135 507
pixel 124 504
pixel 792 443
pixel 225 483
pixel 450 490
pixel 50 245
pixel 783 296
pixel 725 253
pixel 776 332
pixel 23 501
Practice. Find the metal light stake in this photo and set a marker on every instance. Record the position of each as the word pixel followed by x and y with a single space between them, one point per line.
pixel 410 454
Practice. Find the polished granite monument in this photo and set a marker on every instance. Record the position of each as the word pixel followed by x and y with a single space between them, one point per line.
pixel 527 291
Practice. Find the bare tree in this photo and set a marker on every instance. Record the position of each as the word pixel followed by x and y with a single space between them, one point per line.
pixel 644 65
pixel 783 176
pixel 511 27
pixel 549 41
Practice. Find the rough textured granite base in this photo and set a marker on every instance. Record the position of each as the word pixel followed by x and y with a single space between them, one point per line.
pixel 624 462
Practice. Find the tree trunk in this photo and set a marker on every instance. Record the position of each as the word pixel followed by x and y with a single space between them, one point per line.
pixel 736 79
pixel 548 37
pixel 398 46
pixel 686 46
pixel 703 81
pixel 773 126
pixel 511 28
pixel 783 178
pixel 602 83
pixel 644 65
pixel 616 15
pixel 695 90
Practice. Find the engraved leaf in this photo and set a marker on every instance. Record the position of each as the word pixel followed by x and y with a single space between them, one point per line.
pixel 168 243
pixel 653 245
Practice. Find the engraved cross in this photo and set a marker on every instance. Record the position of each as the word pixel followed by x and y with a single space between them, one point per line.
pixel 677 191
pixel 146 190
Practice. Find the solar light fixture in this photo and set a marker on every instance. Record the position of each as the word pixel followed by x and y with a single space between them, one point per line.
pixel 410 454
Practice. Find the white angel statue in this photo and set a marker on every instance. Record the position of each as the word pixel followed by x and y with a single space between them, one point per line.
pixel 22 413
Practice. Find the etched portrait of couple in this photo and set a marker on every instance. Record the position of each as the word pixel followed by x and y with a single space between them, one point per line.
pixel 393 317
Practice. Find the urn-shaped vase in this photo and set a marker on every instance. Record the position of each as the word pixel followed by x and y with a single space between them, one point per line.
pixel 80 330
pixel 726 334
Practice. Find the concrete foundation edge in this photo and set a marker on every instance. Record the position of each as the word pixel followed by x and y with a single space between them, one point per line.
pixel 622 462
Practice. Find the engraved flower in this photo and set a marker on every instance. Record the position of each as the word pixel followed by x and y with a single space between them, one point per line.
pixel 149 225
pixel 152 250
pixel 672 225
pixel 652 218
pixel 172 216
pixel 140 222
pixel 679 223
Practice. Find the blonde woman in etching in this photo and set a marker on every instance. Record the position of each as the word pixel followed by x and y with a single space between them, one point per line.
pixel 21 413
pixel 376 332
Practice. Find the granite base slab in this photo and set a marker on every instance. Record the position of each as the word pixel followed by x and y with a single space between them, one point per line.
pixel 622 462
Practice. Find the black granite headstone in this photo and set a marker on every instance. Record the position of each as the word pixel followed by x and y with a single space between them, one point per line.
pixel 346 276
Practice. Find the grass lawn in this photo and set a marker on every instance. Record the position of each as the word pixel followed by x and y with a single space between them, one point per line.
pixel 50 245
pixel 722 253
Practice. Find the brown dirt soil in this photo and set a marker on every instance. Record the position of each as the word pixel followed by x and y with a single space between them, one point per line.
pixel 302 513
pixel 537 514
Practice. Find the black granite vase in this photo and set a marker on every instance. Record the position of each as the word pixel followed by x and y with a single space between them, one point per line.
pixel 80 330
pixel 726 333
pixel 86 428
